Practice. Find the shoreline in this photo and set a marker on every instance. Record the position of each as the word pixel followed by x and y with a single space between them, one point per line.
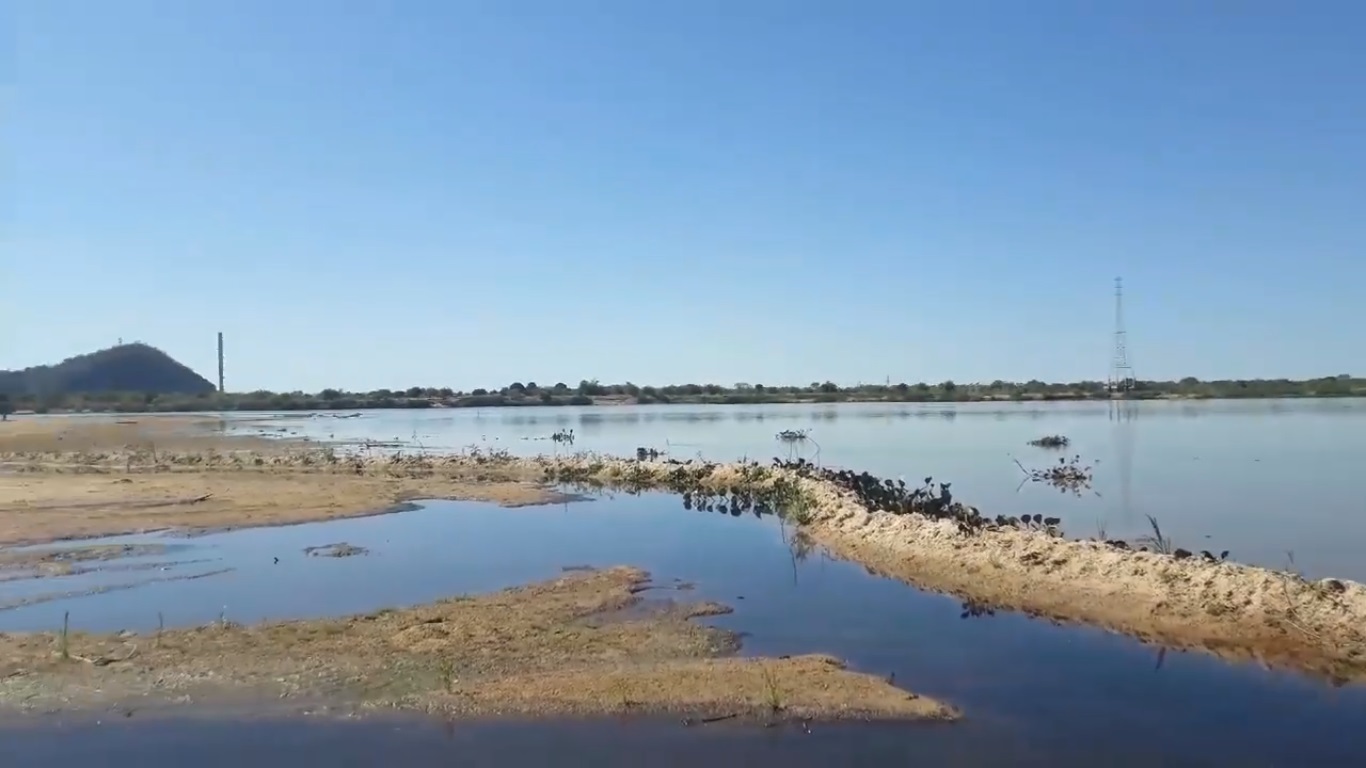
pixel 1232 610
pixel 300 409
pixel 568 646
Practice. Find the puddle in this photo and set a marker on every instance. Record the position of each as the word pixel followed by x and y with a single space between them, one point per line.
pixel 1064 694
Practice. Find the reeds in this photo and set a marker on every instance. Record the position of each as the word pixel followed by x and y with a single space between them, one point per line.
pixel 63 640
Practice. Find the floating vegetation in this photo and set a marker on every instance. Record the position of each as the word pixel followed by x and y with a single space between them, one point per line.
pixel 339 549
pixel 1051 441
pixel 564 436
pixel 1068 475
pixel 795 440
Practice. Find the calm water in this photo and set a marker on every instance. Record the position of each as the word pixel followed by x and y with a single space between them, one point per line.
pixel 1259 478
pixel 572 745
pixel 1034 693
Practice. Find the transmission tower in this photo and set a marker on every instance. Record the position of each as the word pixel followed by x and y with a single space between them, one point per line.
pixel 1121 373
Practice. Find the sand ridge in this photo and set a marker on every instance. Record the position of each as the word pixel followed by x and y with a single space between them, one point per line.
pixel 1231 609
pixel 88 476
pixel 55 502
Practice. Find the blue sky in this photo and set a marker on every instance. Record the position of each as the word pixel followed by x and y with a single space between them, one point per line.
pixel 445 193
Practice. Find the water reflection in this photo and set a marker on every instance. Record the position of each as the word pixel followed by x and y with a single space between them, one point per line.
pixel 1063 691
pixel 1208 470
pixel 1124 414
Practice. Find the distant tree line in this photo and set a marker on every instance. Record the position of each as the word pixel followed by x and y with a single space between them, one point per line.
pixel 591 392
pixel 140 378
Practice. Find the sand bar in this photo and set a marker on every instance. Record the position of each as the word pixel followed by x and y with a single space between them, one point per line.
pixel 1230 609
pixel 550 648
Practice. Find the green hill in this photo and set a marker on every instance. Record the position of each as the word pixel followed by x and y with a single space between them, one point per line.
pixel 124 368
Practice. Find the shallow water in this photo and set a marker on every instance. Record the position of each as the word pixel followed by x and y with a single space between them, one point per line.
pixel 1030 689
pixel 415 742
pixel 1259 477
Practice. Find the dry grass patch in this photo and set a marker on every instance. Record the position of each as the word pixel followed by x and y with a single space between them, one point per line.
pixel 540 649
pixel 54 499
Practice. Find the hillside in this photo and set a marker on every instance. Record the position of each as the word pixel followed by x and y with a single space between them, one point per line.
pixel 124 368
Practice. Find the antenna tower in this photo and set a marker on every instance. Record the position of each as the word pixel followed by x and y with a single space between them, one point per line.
pixel 220 362
pixel 1121 373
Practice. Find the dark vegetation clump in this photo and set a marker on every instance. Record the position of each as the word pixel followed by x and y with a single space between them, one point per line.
pixel 1048 525
pixel 1051 441
pixel 688 480
pixel 1068 475
pixel 796 440
pixel 933 500
pixel 758 491
pixel 1162 545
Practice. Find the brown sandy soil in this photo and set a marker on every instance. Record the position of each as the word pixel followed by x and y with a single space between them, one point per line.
pixel 1233 610
pixel 548 648
pixel 77 477
pixel 46 505
pixel 104 433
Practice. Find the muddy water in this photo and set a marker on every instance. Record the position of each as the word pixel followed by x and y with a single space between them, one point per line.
pixel 1259 478
pixel 1032 691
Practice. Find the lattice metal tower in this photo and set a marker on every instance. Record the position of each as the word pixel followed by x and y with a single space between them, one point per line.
pixel 1121 373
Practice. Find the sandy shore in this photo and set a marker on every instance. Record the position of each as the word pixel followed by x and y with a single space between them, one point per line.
pixel 559 647
pixel 134 432
pixel 566 646
pixel 1230 609
pixel 1233 610
pixel 84 477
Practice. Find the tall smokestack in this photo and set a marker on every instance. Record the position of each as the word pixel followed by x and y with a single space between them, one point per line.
pixel 220 363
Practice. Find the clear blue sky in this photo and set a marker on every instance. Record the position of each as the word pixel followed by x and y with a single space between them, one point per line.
pixel 446 193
